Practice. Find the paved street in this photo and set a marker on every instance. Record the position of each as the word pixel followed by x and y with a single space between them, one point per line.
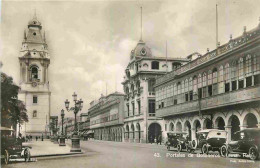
pixel 117 155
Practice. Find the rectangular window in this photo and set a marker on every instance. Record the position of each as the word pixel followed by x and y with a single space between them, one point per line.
pixel 162 105
pixel 227 87
pixel 175 101
pixel 215 89
pixel 249 81
pixel 191 95
pixel 35 99
pixel 127 106
pixel 200 93
pixel 234 85
pixel 210 90
pixel 256 79
pixel 186 97
pixel 152 106
pixel 133 108
pixel 204 92
pixel 240 84
pixel 139 107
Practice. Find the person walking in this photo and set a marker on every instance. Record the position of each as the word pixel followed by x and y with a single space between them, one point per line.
pixel 36 138
pixel 159 139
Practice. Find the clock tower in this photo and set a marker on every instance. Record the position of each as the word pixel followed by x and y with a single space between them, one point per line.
pixel 34 62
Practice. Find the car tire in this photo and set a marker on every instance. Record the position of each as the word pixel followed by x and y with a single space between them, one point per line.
pixel 27 155
pixel 204 149
pixel 224 151
pixel 253 153
pixel 179 148
pixel 6 159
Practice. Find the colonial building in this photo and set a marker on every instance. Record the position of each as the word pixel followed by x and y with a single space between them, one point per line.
pixel 34 62
pixel 107 117
pixel 219 89
pixel 140 123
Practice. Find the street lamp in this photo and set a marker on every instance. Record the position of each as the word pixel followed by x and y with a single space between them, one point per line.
pixel 62 138
pixel 77 107
pixel 56 131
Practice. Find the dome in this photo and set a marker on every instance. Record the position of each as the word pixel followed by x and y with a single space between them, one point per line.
pixel 141 50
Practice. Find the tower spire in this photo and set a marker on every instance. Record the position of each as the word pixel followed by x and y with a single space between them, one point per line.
pixel 141 23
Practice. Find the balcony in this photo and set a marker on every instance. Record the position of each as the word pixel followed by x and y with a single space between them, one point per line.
pixel 235 97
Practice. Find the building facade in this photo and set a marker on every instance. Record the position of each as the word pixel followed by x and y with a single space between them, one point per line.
pixel 219 89
pixel 140 122
pixel 107 117
pixel 34 61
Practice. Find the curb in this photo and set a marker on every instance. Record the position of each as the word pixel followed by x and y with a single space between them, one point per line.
pixel 62 154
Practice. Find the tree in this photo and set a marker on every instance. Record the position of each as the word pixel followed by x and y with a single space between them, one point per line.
pixel 13 111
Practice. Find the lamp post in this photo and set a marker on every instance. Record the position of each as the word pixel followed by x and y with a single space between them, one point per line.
pixel 77 107
pixel 56 131
pixel 62 138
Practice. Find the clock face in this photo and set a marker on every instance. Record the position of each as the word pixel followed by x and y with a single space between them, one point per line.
pixel 34 84
pixel 143 52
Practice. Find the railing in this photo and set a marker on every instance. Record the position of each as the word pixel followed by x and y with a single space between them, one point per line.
pixel 231 45
pixel 220 100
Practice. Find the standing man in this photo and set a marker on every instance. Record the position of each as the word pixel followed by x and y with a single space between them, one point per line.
pixel 159 139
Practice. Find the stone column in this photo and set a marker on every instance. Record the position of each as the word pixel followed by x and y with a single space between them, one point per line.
pixel 228 129
pixel 193 134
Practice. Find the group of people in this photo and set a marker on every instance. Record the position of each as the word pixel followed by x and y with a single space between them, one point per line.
pixel 156 139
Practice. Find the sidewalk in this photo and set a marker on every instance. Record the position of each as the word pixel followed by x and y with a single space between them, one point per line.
pixel 48 148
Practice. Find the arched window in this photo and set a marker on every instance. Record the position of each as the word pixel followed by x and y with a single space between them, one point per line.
pixel 209 77
pixel 175 65
pixel 190 84
pixel 155 65
pixel 127 90
pixel 132 87
pixel 186 85
pixel 199 81
pixel 204 79
pixel 175 89
pixel 241 67
pixel 34 114
pixel 179 87
pixel 234 70
pixel 215 75
pixel 182 86
pixel 195 87
pixel 256 64
pixel 34 73
pixel 248 64
pixel 226 75
pixel 220 79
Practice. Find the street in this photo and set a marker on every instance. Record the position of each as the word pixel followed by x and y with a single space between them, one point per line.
pixel 129 155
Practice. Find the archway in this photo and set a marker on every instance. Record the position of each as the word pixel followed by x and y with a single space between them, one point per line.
pixel 171 127
pixel 187 128
pixel 133 130
pixel 220 123
pixel 138 128
pixel 207 124
pixel 178 127
pixel 250 120
pixel 234 122
pixel 154 130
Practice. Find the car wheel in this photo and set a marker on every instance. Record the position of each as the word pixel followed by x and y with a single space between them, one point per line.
pixel 6 157
pixel 179 147
pixel 27 155
pixel 224 151
pixel 253 153
pixel 204 149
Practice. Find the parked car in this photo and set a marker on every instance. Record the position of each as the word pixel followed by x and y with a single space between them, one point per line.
pixel 248 144
pixel 11 147
pixel 176 140
pixel 209 140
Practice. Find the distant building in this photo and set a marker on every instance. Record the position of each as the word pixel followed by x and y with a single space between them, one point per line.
pixel 34 61
pixel 140 123
pixel 220 89
pixel 107 117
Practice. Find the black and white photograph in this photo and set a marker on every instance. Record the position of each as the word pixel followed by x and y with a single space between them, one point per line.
pixel 130 83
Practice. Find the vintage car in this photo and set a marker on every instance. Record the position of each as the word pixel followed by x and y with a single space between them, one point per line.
pixel 209 140
pixel 247 145
pixel 176 140
pixel 11 147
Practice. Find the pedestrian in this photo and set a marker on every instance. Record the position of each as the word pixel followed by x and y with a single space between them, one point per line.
pixel 36 138
pixel 151 139
pixel 155 140
pixel 42 137
pixel 159 139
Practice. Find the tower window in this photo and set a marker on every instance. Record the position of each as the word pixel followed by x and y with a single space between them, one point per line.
pixel 35 99
pixel 34 114
pixel 34 73
pixel 34 34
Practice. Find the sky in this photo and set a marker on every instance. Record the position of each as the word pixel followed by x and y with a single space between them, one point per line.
pixel 90 41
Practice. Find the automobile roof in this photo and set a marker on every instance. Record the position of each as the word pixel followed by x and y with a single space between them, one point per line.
pixel 208 130
pixel 176 132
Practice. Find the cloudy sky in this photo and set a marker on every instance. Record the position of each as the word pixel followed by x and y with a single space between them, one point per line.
pixel 90 41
